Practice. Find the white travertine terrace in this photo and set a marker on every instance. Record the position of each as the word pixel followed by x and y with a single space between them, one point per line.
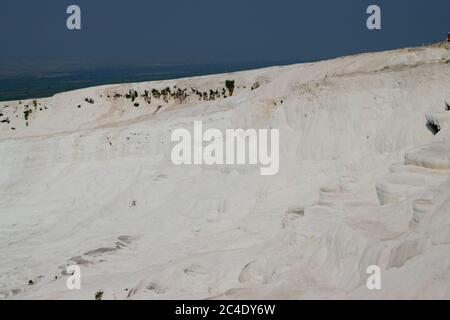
pixel 362 181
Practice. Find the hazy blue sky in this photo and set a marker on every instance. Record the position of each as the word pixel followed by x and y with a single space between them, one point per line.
pixel 34 33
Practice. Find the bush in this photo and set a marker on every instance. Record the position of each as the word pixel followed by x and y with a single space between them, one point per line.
pixel 99 295
pixel 229 84
pixel 27 113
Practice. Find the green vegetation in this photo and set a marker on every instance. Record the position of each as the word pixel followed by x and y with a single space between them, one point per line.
pixel 255 85
pixel 27 113
pixel 132 94
pixel 229 84
pixel 99 295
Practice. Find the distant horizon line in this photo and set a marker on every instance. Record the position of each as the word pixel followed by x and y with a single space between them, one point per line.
pixel 24 85
pixel 18 67
pixel 37 84
pixel 31 72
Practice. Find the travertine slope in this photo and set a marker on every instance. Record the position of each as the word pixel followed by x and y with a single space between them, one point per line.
pixel 86 178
